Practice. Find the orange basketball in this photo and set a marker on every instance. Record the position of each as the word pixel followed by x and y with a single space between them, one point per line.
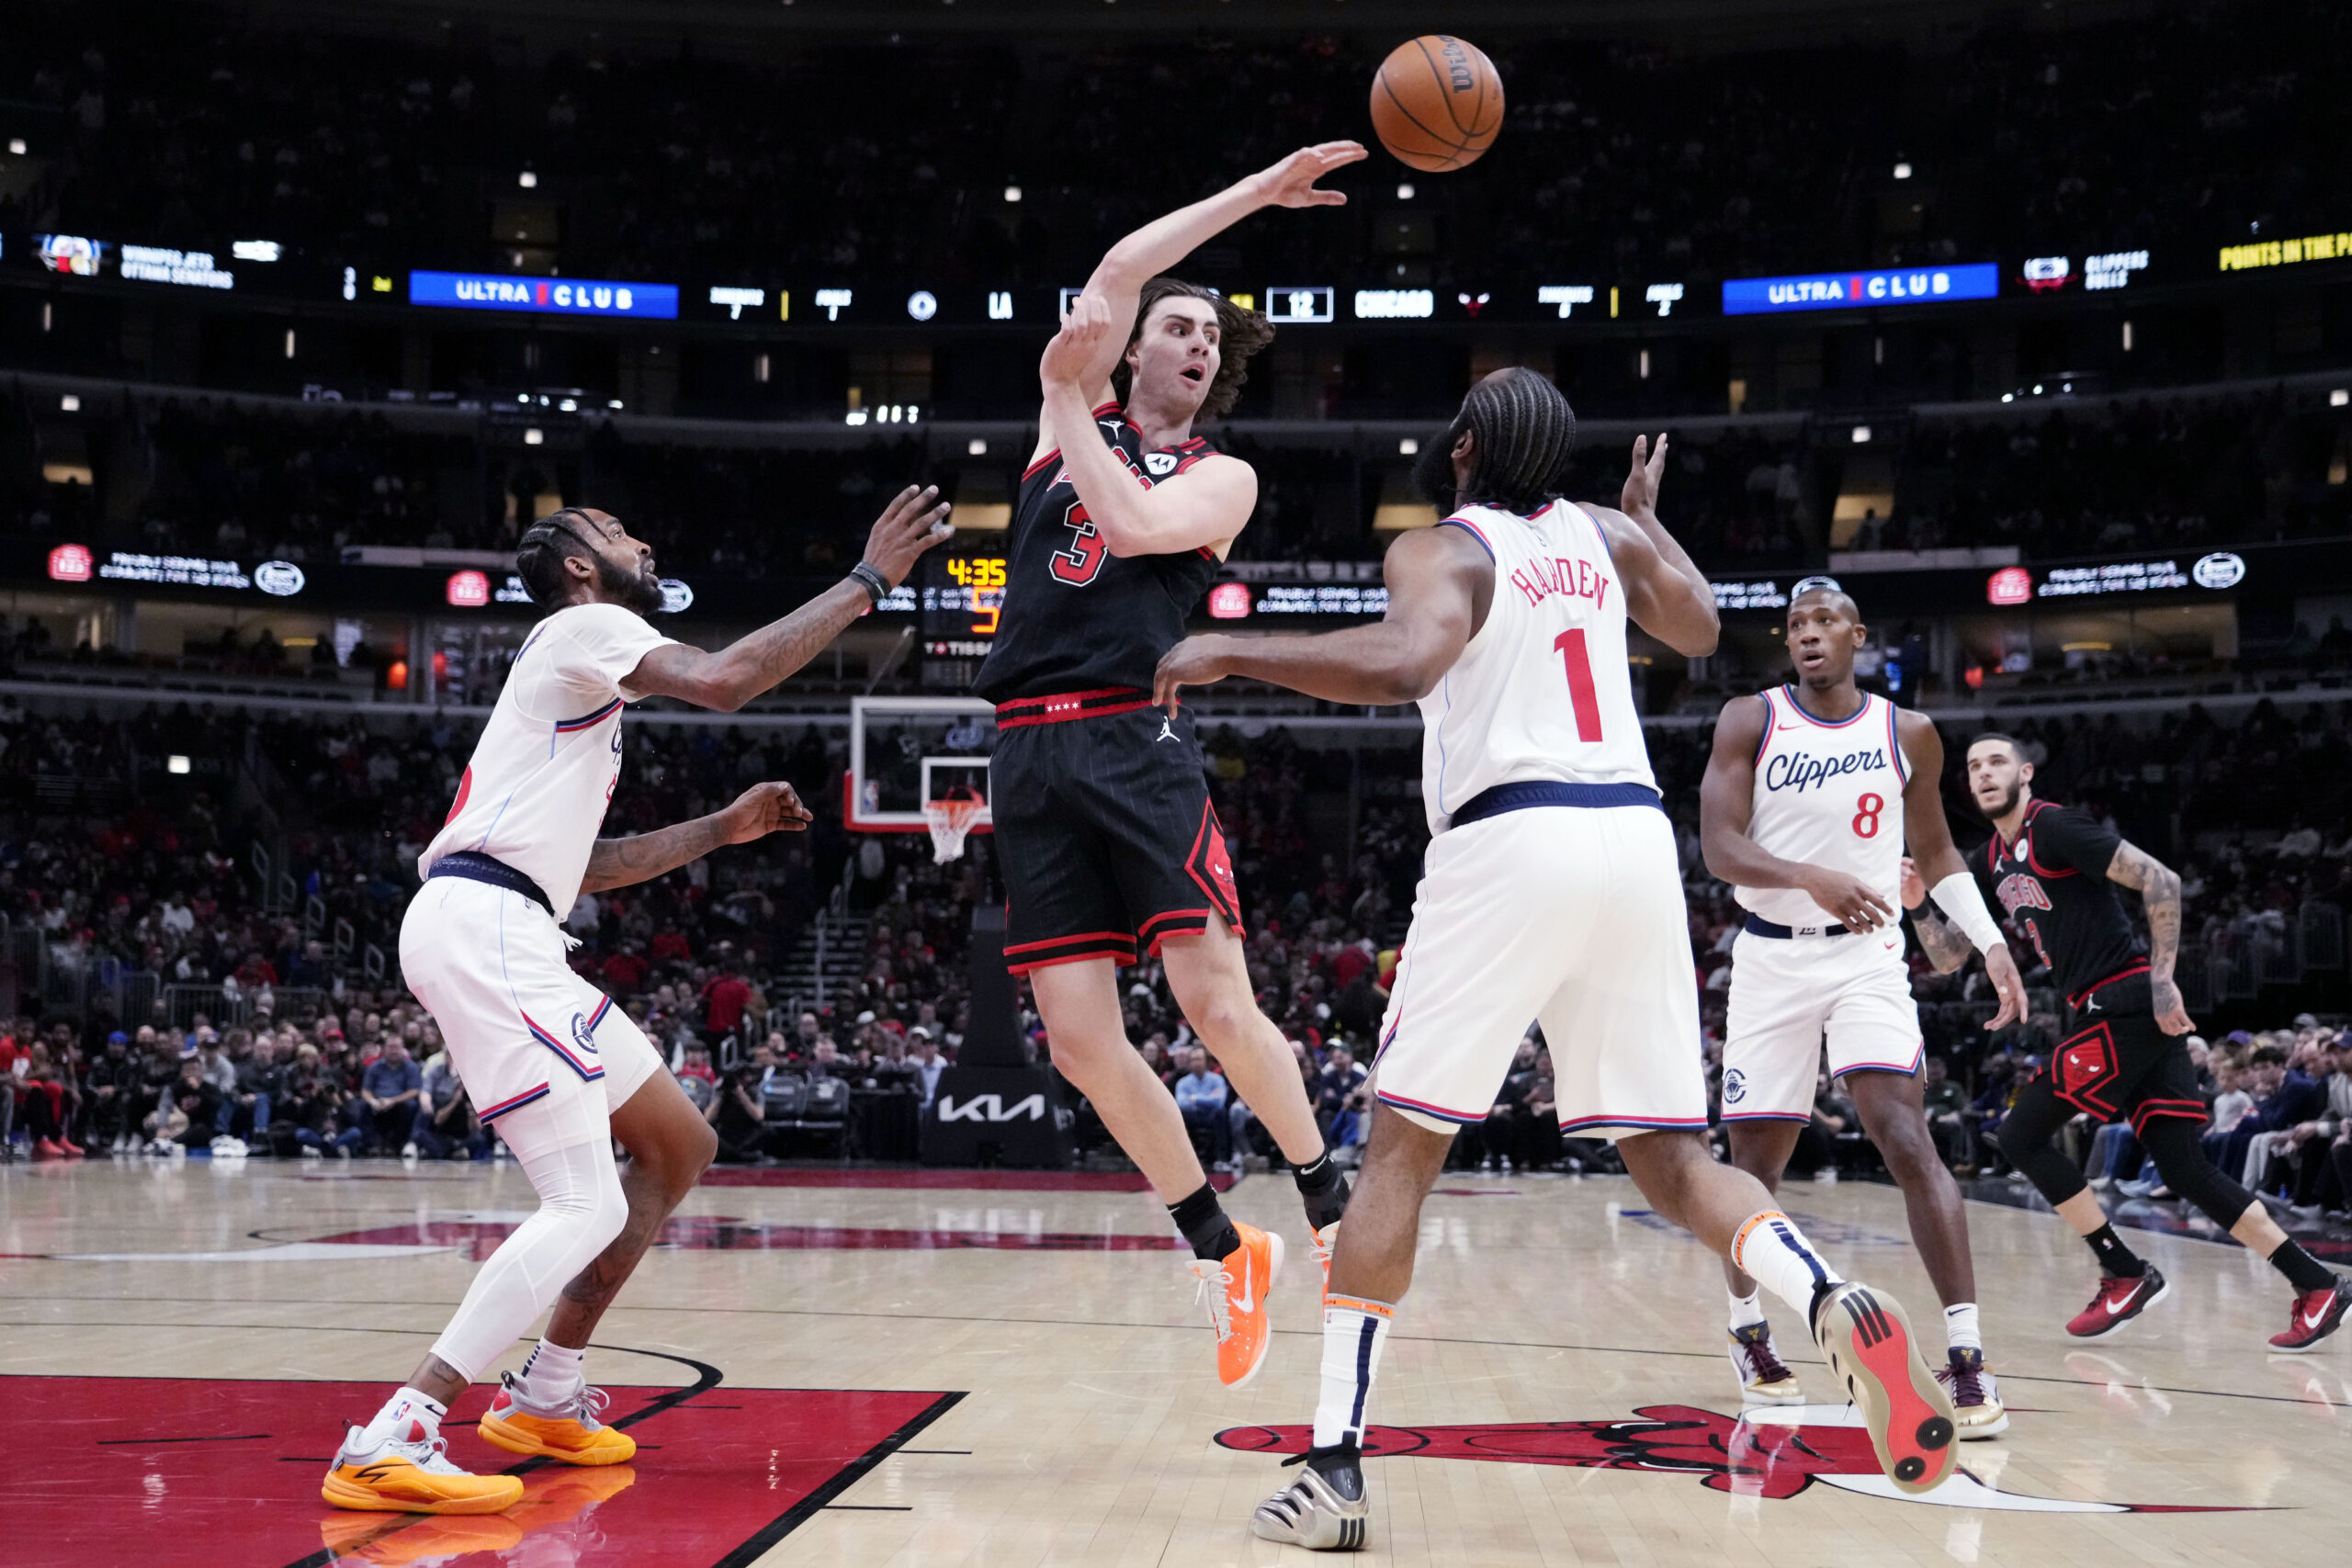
pixel 1436 103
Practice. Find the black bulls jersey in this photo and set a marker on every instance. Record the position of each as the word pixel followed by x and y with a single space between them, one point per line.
pixel 1078 618
pixel 2051 884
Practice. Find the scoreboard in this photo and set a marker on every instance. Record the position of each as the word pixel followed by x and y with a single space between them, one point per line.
pixel 962 602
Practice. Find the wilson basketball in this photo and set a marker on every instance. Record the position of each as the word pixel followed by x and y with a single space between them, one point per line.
pixel 1436 103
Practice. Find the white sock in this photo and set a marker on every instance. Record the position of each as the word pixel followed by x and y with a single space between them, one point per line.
pixel 408 1417
pixel 1746 1312
pixel 1771 1250
pixel 1353 1331
pixel 1960 1328
pixel 553 1374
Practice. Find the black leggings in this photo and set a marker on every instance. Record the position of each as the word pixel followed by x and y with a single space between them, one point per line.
pixel 2027 1137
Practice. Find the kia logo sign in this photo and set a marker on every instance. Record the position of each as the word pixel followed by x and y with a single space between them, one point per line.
pixel 278 577
pixel 676 597
pixel 2219 570
pixel 71 563
pixel 1229 601
pixel 2010 585
pixel 468 590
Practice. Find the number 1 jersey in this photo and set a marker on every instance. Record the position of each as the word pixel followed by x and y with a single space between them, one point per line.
pixel 1076 618
pixel 1544 690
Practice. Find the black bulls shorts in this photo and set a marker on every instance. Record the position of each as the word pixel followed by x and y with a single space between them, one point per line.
pixel 1104 828
pixel 2116 1063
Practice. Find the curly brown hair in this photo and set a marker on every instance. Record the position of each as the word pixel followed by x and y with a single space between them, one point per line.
pixel 1240 335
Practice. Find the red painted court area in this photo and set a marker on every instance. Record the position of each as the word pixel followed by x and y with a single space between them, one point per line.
pixel 195 1472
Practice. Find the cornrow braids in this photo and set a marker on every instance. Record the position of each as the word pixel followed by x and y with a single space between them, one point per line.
pixel 540 553
pixel 1525 432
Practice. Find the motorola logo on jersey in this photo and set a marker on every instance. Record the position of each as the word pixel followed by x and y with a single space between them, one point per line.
pixel 1796 771
pixel 1161 464
pixel 2019 891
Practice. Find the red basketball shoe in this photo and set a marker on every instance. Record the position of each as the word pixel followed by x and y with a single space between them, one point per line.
pixel 2121 1299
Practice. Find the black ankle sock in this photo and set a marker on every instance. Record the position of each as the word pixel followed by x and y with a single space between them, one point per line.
pixel 1205 1225
pixel 1324 1187
pixel 2303 1270
pixel 2116 1259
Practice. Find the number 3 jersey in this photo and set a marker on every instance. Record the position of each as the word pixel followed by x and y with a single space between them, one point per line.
pixel 1543 691
pixel 1828 795
pixel 1076 618
pixel 2051 884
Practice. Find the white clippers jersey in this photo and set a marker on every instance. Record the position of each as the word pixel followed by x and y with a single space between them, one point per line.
pixel 535 791
pixel 1543 691
pixel 1828 795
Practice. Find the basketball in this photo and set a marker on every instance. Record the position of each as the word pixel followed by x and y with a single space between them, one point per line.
pixel 1436 104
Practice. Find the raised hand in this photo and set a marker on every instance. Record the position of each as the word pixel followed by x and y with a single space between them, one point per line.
pixel 762 809
pixel 910 524
pixel 1639 497
pixel 1073 350
pixel 1291 183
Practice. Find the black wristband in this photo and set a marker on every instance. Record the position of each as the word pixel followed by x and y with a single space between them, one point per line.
pixel 877 586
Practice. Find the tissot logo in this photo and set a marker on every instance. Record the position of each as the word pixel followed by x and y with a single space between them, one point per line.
pixel 992 1108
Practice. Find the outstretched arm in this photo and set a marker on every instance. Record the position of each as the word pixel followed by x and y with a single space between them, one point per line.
pixel 1667 595
pixel 1930 866
pixel 1118 280
pixel 1440 581
pixel 759 810
pixel 2159 888
pixel 737 674
pixel 1727 804
pixel 1205 505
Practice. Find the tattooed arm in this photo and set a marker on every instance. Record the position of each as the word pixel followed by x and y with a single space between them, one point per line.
pixel 2159 888
pixel 762 809
pixel 735 674
pixel 1947 945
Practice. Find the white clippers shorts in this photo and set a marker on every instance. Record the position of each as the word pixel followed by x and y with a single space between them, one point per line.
pixel 1567 915
pixel 1789 993
pixel 544 1056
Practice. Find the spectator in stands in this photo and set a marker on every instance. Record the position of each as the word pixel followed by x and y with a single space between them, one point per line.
pixel 445 1125
pixel 260 1081
pixel 385 1107
pixel 738 1112
pixel 1201 1095
pixel 697 1079
pixel 928 1066
pixel 724 995
pixel 191 1111
pixel 111 1093
pixel 1946 1104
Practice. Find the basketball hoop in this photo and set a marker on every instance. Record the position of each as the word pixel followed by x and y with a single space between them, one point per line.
pixel 949 821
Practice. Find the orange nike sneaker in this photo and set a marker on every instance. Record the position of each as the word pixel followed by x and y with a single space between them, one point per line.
pixel 413 1476
pixel 569 1431
pixel 1234 1288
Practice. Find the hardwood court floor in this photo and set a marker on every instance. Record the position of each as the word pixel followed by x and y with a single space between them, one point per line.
pixel 879 1370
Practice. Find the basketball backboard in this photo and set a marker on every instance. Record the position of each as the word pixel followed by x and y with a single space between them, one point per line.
pixel 904 751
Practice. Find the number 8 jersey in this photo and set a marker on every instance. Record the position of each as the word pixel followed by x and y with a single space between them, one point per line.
pixel 1078 618
pixel 1543 691
pixel 1828 795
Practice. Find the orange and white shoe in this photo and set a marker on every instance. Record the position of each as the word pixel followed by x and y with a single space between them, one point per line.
pixel 1234 1288
pixel 413 1476
pixel 1327 1241
pixel 568 1431
pixel 1870 1344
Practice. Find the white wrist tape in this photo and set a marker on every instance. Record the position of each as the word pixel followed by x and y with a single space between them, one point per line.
pixel 1958 898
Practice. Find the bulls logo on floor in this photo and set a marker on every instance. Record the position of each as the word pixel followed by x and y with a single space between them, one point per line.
pixel 1777 1455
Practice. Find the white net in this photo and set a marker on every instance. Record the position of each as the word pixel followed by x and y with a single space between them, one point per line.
pixel 949 821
